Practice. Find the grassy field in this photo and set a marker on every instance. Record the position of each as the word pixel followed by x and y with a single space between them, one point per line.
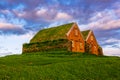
pixel 59 66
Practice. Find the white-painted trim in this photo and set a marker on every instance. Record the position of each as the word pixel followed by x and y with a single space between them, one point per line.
pixel 88 35
pixel 81 34
pixel 70 30
pixel 93 35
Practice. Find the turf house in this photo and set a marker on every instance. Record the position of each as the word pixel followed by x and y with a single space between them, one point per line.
pixel 64 37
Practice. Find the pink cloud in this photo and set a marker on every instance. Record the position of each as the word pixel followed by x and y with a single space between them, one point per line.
pixel 104 20
pixel 112 24
pixel 23 14
pixel 41 12
pixel 110 51
pixel 112 40
pixel 63 16
pixel 118 12
pixel 9 26
pixel 44 14
pixel 5 11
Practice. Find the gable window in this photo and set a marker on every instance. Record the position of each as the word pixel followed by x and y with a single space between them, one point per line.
pixel 76 32
pixel 91 38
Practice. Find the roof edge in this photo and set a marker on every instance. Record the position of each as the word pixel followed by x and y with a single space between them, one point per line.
pixel 88 35
pixel 70 29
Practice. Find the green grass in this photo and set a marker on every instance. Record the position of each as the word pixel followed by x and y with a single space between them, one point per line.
pixel 59 65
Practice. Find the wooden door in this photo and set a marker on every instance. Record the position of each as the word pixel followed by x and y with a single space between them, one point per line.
pixel 77 46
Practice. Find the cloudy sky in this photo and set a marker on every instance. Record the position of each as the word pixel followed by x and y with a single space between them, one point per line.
pixel 21 19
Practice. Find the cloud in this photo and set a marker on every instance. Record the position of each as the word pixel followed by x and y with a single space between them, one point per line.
pixel 44 11
pixel 104 20
pixel 112 24
pixel 44 14
pixel 20 14
pixel 8 28
pixel 5 11
pixel 26 15
pixel 9 24
pixel 63 16
pixel 118 12
pixel 41 12
pixel 117 9
pixel 12 44
pixel 110 51
pixel 113 47
pixel 81 10
pixel 112 40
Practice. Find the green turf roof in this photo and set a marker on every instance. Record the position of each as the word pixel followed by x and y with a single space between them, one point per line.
pixel 85 34
pixel 54 33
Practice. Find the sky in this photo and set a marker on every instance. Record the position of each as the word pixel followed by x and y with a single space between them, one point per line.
pixel 20 20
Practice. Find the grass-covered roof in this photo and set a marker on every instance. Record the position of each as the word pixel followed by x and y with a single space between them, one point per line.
pixel 85 34
pixel 54 33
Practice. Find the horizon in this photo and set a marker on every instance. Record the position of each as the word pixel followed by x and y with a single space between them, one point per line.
pixel 20 20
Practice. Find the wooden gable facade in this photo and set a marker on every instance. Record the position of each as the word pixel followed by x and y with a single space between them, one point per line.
pixel 75 36
pixel 92 42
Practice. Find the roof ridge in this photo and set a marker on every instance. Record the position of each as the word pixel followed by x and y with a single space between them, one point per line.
pixel 57 26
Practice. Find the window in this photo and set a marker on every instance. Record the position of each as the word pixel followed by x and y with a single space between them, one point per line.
pixel 91 37
pixel 76 32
